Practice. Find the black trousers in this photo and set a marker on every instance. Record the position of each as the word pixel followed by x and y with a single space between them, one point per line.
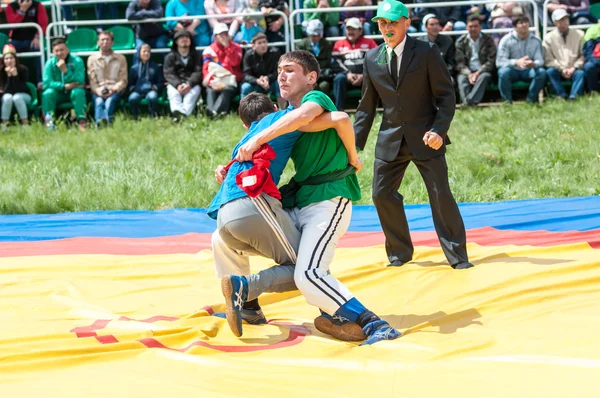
pixel 389 203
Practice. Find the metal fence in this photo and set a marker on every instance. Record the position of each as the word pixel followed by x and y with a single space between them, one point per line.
pixel 51 30
pixel 41 54
pixel 535 28
pixel 547 28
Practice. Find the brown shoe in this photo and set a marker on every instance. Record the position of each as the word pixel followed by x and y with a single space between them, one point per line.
pixel 340 328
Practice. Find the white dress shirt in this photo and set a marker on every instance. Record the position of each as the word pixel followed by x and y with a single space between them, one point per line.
pixel 399 49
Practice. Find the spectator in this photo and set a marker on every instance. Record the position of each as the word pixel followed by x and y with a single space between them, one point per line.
pixel 222 71
pixel 101 11
pixel 183 73
pixel 520 58
pixel 145 80
pixel 502 15
pixel 107 72
pixel 321 48
pixel 251 25
pixel 27 39
pixel 577 10
pixel 446 45
pixel 449 17
pixel 480 11
pixel 64 80
pixel 330 20
pixel 13 85
pixel 220 7
pixel 475 60
pixel 363 16
pixel 198 28
pixel 151 33
pixel 591 51
pixel 260 69
pixel 348 57
pixel 275 23
pixel 564 56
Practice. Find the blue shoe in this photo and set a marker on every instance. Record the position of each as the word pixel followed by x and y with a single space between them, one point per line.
pixel 235 290
pixel 379 330
pixel 339 327
pixel 254 317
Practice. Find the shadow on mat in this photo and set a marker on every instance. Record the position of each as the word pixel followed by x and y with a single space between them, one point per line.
pixel 438 322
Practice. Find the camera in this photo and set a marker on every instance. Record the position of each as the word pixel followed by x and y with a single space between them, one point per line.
pixel 105 90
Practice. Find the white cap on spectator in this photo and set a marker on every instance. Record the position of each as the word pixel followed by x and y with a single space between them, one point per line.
pixel 428 17
pixel 314 28
pixel 353 23
pixel 559 14
pixel 220 28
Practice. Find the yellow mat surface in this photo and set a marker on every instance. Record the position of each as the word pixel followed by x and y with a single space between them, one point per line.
pixel 525 322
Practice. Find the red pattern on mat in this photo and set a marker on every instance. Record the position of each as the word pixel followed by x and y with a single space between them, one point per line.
pixel 194 242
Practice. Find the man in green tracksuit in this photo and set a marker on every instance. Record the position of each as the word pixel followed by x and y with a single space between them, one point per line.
pixel 64 80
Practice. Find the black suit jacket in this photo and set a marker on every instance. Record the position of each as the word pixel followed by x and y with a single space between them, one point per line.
pixel 423 101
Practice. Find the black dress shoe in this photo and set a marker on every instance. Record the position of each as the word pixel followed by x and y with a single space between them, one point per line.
pixel 463 265
pixel 396 263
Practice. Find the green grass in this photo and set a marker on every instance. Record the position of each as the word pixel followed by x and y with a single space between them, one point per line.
pixel 498 153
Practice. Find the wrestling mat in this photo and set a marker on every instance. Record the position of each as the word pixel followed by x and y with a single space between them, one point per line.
pixel 121 304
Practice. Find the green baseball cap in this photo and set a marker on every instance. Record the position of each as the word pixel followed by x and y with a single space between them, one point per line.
pixel 392 10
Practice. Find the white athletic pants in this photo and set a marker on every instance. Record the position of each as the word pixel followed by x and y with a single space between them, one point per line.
pixel 184 104
pixel 321 225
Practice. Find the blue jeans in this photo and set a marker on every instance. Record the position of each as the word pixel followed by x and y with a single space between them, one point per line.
pixel 507 76
pixel 101 11
pixel 340 88
pixel 591 75
pixel 104 108
pixel 24 46
pixel 248 88
pixel 135 99
pixel 555 78
pixel 202 40
pixel 155 42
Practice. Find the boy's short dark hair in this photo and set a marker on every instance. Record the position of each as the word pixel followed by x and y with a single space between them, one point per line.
pixel 519 19
pixel 254 107
pixel 473 18
pixel 257 37
pixel 305 59
pixel 57 42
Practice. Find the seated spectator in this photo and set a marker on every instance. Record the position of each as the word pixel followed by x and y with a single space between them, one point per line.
pixel 322 49
pixel 222 71
pixel 330 20
pixel 564 56
pixel 577 10
pixel 348 57
pixel 480 11
pixel 502 15
pixel 183 73
pixel 151 33
pixel 107 72
pixel 260 69
pixel 449 17
pixel 198 28
pixel 220 7
pixel 64 81
pixel 13 86
pixel 275 23
pixel 520 58
pixel 475 62
pixel 591 52
pixel 27 39
pixel 445 43
pixel 363 16
pixel 251 25
pixel 145 80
